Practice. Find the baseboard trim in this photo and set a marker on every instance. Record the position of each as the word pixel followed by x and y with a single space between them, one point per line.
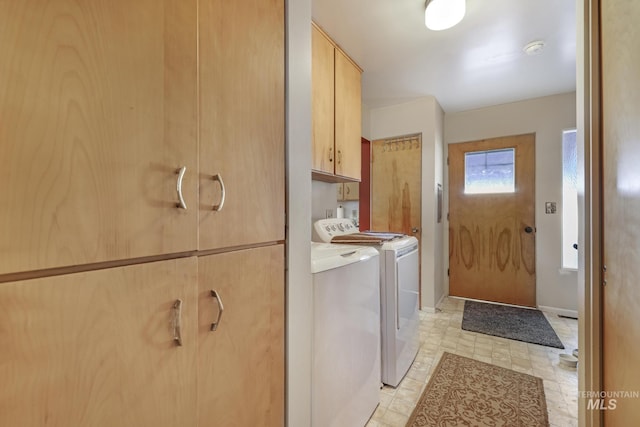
pixel 559 311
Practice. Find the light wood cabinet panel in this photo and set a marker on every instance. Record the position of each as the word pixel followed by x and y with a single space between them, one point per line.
pixel 348 117
pixel 241 363
pixel 351 191
pixel 323 102
pixel 348 191
pixel 97 349
pixel 98 107
pixel 336 112
pixel 241 122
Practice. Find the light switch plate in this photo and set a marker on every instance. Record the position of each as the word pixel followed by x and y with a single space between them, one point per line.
pixel 550 207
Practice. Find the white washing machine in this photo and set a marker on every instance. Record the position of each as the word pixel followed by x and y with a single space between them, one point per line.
pixel 399 282
pixel 346 335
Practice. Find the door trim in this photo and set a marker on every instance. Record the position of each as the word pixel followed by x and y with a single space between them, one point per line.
pixel 589 210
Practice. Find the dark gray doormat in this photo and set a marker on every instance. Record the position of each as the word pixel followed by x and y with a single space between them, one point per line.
pixel 522 324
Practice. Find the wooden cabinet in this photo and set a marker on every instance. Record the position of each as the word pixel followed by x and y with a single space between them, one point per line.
pixel 241 363
pixel 112 112
pixel 97 348
pixel 337 111
pixel 348 120
pixel 348 191
pixel 98 112
pixel 323 102
pixel 241 122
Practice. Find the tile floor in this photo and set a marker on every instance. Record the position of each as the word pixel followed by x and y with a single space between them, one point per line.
pixel 442 331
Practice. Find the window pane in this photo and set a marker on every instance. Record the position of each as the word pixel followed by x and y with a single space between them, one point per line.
pixel 569 199
pixel 489 171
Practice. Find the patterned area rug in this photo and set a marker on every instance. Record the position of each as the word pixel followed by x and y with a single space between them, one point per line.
pixel 467 392
pixel 522 324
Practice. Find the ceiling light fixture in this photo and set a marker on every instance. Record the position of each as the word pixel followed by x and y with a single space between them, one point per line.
pixel 533 48
pixel 443 14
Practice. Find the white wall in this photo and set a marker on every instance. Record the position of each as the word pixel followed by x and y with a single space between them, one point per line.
pixel 325 196
pixel 423 116
pixel 299 290
pixel 547 117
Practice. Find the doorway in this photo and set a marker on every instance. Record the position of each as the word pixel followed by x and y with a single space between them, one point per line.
pixel 396 170
pixel 492 220
pixel 396 187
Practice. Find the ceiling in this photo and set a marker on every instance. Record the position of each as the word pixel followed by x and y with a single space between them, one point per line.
pixel 478 63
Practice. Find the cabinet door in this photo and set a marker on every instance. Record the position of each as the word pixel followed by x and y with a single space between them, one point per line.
pixel 241 122
pixel 348 117
pixel 97 348
pixel 351 190
pixel 241 363
pixel 340 191
pixel 98 112
pixel 323 100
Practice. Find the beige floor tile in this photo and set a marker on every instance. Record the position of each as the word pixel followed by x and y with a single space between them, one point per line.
pixel 484 359
pixel 483 351
pixel 401 406
pixel 410 395
pixel 378 413
pixel 441 331
pixel 395 419
pixel 521 363
pixel 385 400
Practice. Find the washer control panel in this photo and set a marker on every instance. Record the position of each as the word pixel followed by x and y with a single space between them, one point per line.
pixel 326 229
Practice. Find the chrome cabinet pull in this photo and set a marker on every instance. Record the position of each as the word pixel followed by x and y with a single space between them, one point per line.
pixel 176 322
pixel 218 177
pixel 180 173
pixel 215 324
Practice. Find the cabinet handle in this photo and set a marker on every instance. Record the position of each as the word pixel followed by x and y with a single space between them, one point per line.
pixel 218 177
pixel 331 154
pixel 339 157
pixel 176 322
pixel 180 173
pixel 215 324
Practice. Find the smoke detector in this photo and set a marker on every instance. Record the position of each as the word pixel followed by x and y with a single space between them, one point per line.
pixel 533 48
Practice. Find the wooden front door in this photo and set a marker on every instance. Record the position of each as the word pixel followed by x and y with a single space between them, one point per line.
pixel 621 213
pixel 492 220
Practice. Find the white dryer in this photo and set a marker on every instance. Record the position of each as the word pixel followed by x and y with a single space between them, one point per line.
pixel 399 282
pixel 345 380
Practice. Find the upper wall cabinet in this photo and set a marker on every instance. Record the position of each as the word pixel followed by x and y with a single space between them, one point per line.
pixel 337 111
pixel 348 191
pixel 98 105
pixel 241 122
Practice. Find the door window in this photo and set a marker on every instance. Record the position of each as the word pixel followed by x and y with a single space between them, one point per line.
pixel 490 171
